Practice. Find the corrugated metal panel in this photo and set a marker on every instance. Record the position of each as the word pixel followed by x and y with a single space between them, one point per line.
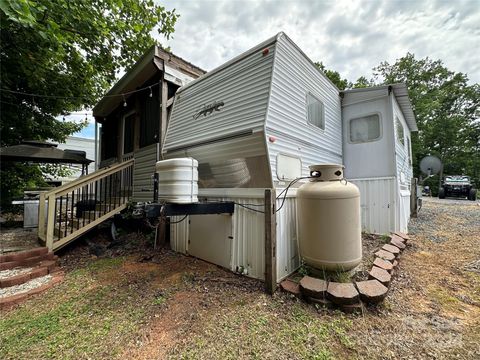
pixel 403 210
pixel 143 169
pixel 293 77
pixel 243 88
pixel 179 234
pixel 288 259
pixel 378 203
pixel 248 237
pixel 248 246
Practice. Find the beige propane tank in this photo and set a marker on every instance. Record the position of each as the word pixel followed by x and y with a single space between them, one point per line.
pixel 328 213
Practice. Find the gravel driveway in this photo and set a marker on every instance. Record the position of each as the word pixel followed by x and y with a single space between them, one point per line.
pixel 433 310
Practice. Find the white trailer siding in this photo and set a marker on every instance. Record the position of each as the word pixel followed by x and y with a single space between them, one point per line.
pixel 294 75
pixel 404 169
pixel 243 87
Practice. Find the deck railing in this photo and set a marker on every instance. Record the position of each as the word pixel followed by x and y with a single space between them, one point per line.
pixel 70 210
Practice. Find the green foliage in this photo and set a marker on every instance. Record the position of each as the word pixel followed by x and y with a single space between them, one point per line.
pixel 447 109
pixel 334 77
pixel 69 52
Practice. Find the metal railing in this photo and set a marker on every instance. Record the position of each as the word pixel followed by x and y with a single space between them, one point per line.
pixel 70 210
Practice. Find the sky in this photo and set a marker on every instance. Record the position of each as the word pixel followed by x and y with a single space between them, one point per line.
pixel 350 37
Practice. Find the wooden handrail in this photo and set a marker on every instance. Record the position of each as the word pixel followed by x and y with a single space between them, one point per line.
pixel 85 180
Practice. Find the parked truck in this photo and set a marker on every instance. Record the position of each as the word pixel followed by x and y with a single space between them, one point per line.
pixel 457 186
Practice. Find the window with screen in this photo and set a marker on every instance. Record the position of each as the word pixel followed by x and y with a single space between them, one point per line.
pixel 400 132
pixel 315 112
pixel 365 128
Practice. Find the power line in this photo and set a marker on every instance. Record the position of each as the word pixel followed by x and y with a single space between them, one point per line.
pixel 75 97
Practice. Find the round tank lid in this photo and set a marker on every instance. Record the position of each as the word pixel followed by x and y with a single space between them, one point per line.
pixel 188 161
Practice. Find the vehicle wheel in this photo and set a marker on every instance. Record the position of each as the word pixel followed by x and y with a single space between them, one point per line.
pixel 441 193
pixel 472 195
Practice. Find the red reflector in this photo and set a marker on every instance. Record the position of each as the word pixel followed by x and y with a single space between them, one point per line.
pixel 265 51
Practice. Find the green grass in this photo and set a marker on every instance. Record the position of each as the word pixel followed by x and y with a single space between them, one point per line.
pixel 80 318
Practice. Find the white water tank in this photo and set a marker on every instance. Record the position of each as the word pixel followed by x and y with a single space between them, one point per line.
pixel 178 180
pixel 328 218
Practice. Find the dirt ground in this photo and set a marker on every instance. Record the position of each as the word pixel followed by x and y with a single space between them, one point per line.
pixel 138 306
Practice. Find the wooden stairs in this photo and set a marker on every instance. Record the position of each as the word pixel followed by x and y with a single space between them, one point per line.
pixel 69 211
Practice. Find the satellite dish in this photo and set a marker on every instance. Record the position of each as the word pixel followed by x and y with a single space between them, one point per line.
pixel 430 165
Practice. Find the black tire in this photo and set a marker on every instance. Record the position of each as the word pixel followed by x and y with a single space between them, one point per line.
pixel 441 193
pixel 472 195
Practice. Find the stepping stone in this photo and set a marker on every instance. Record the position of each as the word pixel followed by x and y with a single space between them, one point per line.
pixel 372 291
pixel 381 275
pixel 398 238
pixel 399 244
pixel 383 264
pixel 313 287
pixel 390 248
pixel 291 287
pixel 342 293
pixel 386 255
pixel 395 263
pixel 402 235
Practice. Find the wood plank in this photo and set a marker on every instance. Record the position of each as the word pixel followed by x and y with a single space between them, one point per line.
pixel 270 242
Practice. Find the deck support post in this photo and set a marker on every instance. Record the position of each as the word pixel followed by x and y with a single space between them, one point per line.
pixel 413 198
pixel 50 222
pixel 270 242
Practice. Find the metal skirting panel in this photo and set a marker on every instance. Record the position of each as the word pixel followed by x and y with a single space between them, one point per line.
pixel 378 203
pixel 248 245
pixel 143 170
pixel 179 234
pixel 294 76
pixel 403 210
pixel 288 259
pixel 241 88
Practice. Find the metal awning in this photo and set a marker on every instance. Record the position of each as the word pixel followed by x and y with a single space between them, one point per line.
pixel 42 152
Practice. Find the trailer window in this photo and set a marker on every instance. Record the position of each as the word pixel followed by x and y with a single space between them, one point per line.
pixel 315 111
pixel 400 134
pixel 365 128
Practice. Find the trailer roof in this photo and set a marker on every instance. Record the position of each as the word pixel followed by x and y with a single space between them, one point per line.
pixel 400 91
pixel 247 53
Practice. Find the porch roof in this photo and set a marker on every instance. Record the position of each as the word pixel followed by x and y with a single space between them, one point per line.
pixel 42 152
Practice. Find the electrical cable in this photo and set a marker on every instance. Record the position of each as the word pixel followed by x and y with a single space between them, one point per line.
pixel 179 221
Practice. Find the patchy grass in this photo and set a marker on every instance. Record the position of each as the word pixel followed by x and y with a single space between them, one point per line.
pixel 268 328
pixel 80 318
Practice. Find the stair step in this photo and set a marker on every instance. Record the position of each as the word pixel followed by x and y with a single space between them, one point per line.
pixel 14 299
pixel 26 258
pixel 34 273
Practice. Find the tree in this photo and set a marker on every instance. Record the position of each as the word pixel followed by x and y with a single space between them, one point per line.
pixel 447 110
pixel 334 77
pixel 67 53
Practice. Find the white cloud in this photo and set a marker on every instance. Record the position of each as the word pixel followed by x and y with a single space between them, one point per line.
pixel 348 36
